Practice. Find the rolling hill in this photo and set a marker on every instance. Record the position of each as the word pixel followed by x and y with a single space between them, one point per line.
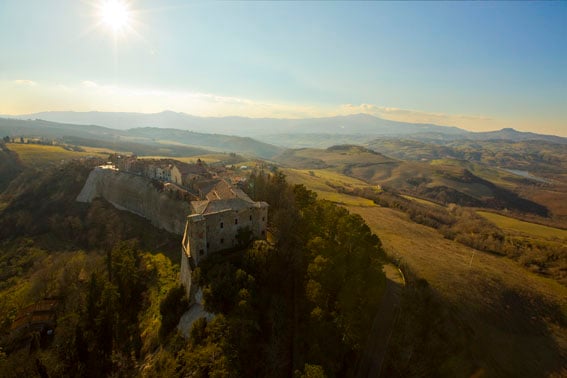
pixel 142 141
pixel 443 181
pixel 292 133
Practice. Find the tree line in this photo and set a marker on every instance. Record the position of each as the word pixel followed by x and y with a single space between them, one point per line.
pixel 301 304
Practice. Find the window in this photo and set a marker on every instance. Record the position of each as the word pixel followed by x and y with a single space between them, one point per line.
pixel 263 219
pixel 222 241
pixel 221 225
pixel 236 221
pixel 250 218
pixel 263 232
pixel 208 245
pixel 201 252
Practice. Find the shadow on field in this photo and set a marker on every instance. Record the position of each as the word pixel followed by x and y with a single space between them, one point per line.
pixel 510 336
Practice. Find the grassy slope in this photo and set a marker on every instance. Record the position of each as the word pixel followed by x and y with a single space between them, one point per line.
pixel 517 319
pixel 209 158
pixel 423 201
pixel 553 196
pixel 37 155
pixel 517 226
pixel 309 158
pixel 322 182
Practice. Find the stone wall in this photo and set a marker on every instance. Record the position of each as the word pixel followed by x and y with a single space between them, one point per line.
pixel 213 232
pixel 138 195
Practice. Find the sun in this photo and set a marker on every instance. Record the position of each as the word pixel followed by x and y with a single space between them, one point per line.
pixel 115 15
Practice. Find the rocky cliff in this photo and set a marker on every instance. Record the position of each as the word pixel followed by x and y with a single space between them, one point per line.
pixel 138 195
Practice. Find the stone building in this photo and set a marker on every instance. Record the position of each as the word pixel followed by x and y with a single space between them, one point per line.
pixel 219 222
pixel 221 216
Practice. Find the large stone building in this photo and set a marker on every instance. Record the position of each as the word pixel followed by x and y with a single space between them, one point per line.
pixel 221 216
pixel 220 221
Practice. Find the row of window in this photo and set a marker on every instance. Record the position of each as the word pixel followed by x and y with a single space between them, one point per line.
pixel 201 251
pixel 236 222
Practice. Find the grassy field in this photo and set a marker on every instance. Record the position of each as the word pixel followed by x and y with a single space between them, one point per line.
pixel 422 201
pixel 209 158
pixel 38 155
pixel 553 197
pixel 517 226
pixel 324 183
pixel 517 319
pixel 338 159
pixel 103 151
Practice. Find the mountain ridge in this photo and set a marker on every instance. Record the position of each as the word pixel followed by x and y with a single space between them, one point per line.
pixel 151 140
pixel 171 119
pixel 296 130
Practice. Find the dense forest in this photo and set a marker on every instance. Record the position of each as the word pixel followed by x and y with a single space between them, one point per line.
pixel 302 304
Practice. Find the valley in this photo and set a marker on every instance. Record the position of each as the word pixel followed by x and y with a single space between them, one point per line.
pixel 484 256
pixel 283 189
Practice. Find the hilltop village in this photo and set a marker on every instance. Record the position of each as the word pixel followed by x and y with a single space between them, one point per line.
pixel 221 215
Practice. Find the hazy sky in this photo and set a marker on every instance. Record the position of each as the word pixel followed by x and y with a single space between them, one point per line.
pixel 477 65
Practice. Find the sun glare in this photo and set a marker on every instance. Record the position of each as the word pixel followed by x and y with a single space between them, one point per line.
pixel 115 14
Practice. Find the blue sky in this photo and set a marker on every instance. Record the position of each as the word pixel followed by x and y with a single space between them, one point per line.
pixel 476 65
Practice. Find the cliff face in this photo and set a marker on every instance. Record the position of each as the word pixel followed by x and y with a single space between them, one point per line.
pixel 138 195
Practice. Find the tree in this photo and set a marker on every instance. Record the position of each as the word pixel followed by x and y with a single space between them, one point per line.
pixel 243 236
pixel 171 308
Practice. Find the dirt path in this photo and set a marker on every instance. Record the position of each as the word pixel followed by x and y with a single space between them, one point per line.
pixel 371 362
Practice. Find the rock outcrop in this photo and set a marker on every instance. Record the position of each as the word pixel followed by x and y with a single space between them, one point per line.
pixel 138 195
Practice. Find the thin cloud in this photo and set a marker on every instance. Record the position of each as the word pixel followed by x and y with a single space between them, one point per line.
pixel 409 115
pixel 89 84
pixel 29 83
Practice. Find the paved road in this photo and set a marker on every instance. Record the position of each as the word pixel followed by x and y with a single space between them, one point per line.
pixel 370 363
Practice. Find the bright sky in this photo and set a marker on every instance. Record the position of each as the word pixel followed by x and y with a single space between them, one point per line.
pixel 480 66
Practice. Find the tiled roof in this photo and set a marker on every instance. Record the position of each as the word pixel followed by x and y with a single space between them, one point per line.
pixel 207 207
pixel 223 190
pixel 185 168
pixel 198 207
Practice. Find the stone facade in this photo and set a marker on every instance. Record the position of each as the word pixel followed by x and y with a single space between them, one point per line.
pixel 212 214
pixel 215 225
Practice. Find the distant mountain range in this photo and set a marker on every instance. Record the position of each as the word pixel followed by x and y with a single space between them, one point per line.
pixel 141 141
pixel 320 132
pixel 350 124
